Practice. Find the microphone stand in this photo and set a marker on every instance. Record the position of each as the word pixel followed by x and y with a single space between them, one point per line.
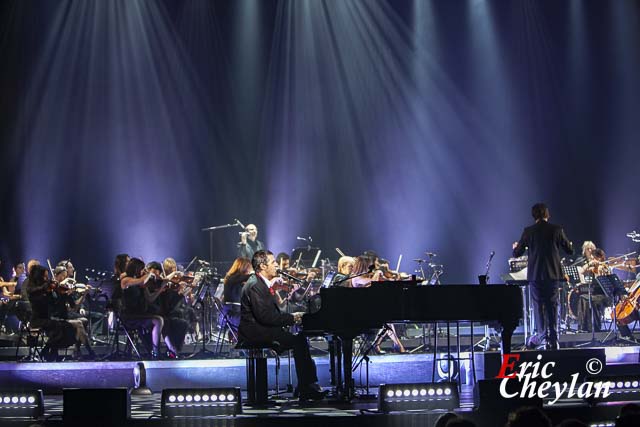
pixel 211 230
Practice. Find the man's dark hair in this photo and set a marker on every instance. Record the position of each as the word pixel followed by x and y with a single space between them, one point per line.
pixel 135 267
pixel 154 265
pixel 281 256
pixel 540 211
pixel 260 257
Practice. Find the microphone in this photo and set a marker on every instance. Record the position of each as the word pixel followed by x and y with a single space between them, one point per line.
pixel 201 262
pixel 492 254
pixel 239 223
pixel 301 238
pixel 288 276
pixel 431 254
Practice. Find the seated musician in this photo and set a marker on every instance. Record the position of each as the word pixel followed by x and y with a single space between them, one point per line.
pixel 262 323
pixel 60 333
pixel 284 261
pixel 18 276
pixel 162 294
pixel 64 307
pixel 362 269
pixel 25 283
pixel 179 304
pixel 594 267
pixel 234 281
pixel 345 267
pixel 136 312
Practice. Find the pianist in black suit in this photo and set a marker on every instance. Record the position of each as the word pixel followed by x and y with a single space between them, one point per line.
pixel 544 270
pixel 262 323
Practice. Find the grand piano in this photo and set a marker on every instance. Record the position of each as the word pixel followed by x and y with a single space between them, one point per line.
pixel 348 312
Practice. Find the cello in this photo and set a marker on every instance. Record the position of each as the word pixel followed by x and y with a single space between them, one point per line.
pixel 626 309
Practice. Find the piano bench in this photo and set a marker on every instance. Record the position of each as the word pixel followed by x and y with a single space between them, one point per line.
pixel 257 375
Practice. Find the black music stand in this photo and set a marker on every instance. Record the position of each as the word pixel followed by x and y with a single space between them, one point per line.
pixel 570 271
pixel 303 255
pixel 614 289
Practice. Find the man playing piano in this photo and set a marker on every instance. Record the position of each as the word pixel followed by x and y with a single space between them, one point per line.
pixel 544 271
pixel 262 323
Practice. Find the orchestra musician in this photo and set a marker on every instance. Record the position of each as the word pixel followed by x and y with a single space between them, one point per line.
pixel 163 297
pixel 283 259
pixel 64 306
pixel 18 276
pixel 136 312
pixel 543 241
pixel 179 302
pixel 249 243
pixel 60 333
pixel 262 323
pixel 25 284
pixel 363 264
pixel 345 268
pixel 234 281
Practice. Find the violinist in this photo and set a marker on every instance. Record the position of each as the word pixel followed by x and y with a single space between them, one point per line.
pixel 284 261
pixel 60 333
pixel 345 267
pixel 362 265
pixel 180 303
pixel 25 284
pixel 136 309
pixel 63 306
pixel 161 293
pixel 234 280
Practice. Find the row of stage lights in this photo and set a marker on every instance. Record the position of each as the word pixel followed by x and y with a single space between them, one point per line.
pixel 228 401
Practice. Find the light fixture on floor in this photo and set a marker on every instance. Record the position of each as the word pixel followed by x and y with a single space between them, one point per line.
pixel 421 396
pixel 21 404
pixel 194 402
pixel 622 388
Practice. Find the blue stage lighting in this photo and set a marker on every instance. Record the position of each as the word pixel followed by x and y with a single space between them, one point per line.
pixel 200 402
pixel 420 396
pixel 21 404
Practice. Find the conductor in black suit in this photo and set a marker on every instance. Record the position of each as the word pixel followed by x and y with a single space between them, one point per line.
pixel 262 323
pixel 544 270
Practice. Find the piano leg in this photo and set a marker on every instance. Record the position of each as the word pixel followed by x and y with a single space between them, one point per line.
pixel 347 354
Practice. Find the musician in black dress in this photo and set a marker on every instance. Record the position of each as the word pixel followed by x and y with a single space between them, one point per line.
pixel 262 323
pixel 60 333
pixel 249 243
pixel 234 281
pixel 544 241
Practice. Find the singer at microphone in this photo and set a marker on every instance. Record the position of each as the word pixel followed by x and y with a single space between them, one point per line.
pixel 249 243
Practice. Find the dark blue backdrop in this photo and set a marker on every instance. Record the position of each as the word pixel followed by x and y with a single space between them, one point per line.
pixel 401 126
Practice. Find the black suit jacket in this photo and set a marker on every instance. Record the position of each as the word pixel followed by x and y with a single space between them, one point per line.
pixel 544 241
pixel 261 320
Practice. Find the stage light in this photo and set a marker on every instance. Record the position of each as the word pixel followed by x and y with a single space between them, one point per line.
pixel 622 388
pixel 21 404
pixel 200 402
pixel 408 397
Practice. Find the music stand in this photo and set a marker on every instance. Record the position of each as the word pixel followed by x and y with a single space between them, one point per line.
pixel 613 288
pixel 572 272
pixel 304 255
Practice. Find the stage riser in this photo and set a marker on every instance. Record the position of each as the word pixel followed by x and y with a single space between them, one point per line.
pixel 52 377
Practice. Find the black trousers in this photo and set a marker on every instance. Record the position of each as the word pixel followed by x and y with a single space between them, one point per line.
pixel 305 366
pixel 544 298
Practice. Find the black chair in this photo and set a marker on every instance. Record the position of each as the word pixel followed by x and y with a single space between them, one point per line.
pixel 257 375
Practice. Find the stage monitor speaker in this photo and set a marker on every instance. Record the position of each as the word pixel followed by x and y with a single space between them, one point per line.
pixel 111 406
